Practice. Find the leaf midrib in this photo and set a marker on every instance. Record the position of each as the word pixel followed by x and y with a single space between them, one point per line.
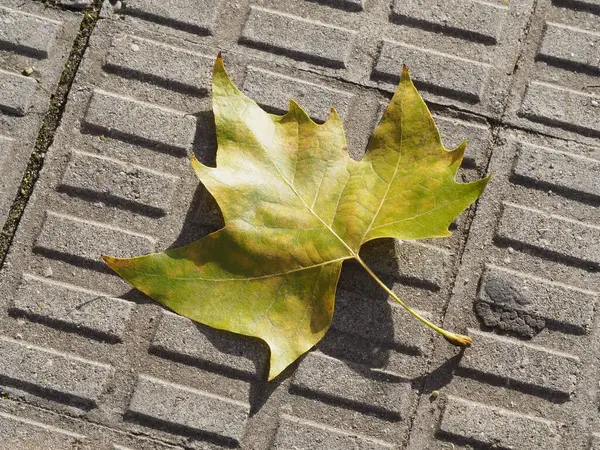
pixel 244 279
pixel 387 190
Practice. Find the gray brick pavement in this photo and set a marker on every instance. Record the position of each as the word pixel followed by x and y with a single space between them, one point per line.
pixel 526 290
pixel 36 39
pixel 90 363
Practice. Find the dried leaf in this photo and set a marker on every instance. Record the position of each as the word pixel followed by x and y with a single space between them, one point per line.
pixel 295 207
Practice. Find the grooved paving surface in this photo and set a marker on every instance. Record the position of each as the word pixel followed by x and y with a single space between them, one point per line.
pixel 561 97
pixel 90 363
pixel 526 291
pixel 487 426
pixel 40 39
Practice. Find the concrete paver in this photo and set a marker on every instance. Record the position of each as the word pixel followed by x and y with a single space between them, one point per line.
pixel 527 290
pixel 36 39
pixel 91 362
pixel 556 90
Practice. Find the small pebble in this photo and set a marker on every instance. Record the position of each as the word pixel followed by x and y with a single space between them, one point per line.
pixel 434 395
pixel 135 47
pixel 27 71
pixel 48 272
pixel 19 336
pixel 594 103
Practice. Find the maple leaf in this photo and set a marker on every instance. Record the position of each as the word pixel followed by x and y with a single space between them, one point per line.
pixel 295 208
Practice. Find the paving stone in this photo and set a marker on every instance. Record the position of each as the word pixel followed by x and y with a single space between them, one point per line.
pixel 567 238
pixel 526 294
pixel 109 188
pixel 462 78
pixel 129 119
pixel 180 338
pixel 559 170
pixel 365 318
pixel 67 305
pixel 524 304
pixel 17 91
pixel 454 50
pixel 562 107
pixel 563 44
pixel 273 90
pixel 302 434
pixel 413 262
pixel 26 32
pixel 22 433
pixel 66 378
pixel 31 37
pixel 297 37
pixel 110 127
pixel 491 50
pixel 555 90
pixel 6 145
pixel 376 333
pixel 181 406
pixel 28 427
pixel 65 237
pixel 196 16
pixel 480 21
pixel 111 181
pixel 155 445
pixel 357 388
pixel 136 57
pixel 483 425
pixel 521 363
pixel 405 358
pixel 322 40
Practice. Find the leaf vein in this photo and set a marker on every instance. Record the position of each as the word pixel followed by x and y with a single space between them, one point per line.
pixel 418 215
pixel 151 274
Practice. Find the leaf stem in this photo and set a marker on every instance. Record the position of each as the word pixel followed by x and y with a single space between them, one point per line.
pixel 453 338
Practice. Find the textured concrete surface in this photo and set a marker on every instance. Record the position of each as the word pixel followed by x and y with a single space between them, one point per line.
pixel 89 363
pixel 34 45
